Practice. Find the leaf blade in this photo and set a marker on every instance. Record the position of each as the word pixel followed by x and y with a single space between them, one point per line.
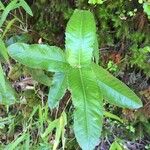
pixel 6 11
pixel 60 129
pixel 39 56
pixel 3 50
pixel 26 7
pixel 6 92
pixel 88 104
pixel 115 146
pixel 80 38
pixel 57 90
pixel 116 91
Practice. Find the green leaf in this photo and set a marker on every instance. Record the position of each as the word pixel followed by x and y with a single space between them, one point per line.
pixel 115 146
pixel 3 50
pixel 50 127
pixel 9 95
pixel 8 27
pixel 2 7
pixel 6 92
pixel 80 38
pixel 2 79
pixel 146 7
pixel 115 91
pixel 112 116
pixel 57 90
pixel 27 142
pixel 15 143
pixel 96 1
pixel 60 129
pixel 13 5
pixel 7 10
pixel 88 103
pixel 38 56
pixel 96 51
pixel 26 7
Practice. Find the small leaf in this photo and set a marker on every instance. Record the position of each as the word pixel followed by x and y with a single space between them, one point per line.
pixel 115 91
pixel 2 79
pixel 6 92
pixel 57 90
pixel 80 38
pixel 26 7
pixel 3 50
pixel 9 95
pixel 2 7
pixel 38 56
pixel 27 142
pixel 13 145
pixel 50 127
pixel 115 146
pixel 60 129
pixel 96 1
pixel 146 7
pixel 112 116
pixel 7 10
pixel 88 103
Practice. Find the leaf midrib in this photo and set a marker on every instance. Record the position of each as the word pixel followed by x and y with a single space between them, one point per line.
pixel 44 58
pixel 82 82
pixel 79 63
pixel 85 98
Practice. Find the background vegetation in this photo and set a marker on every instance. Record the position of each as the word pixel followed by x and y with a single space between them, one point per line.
pixel 123 30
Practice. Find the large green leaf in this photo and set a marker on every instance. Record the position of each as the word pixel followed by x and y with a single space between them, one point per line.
pixel 88 103
pixel 80 38
pixel 6 92
pixel 57 90
pixel 115 91
pixel 38 56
